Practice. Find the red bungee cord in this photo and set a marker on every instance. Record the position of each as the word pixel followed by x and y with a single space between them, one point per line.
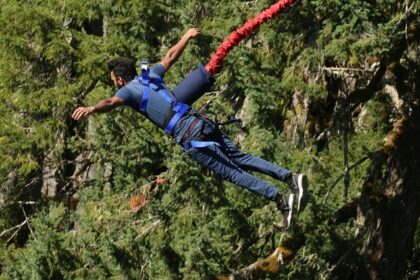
pixel 249 27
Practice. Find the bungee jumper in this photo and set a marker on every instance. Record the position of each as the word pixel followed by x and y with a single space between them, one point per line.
pixel 199 136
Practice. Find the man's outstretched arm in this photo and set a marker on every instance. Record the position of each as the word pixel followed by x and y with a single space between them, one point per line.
pixel 103 106
pixel 175 52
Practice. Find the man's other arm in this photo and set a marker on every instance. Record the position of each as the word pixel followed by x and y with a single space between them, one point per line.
pixel 175 52
pixel 103 106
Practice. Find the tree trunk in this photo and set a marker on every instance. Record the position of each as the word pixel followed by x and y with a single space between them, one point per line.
pixel 391 220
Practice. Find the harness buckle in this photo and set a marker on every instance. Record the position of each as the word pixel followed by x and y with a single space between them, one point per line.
pixel 145 70
pixel 144 65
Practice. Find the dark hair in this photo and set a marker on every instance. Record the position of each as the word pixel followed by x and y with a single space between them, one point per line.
pixel 123 67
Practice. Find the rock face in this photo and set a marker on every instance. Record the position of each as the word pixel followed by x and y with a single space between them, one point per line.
pixel 7 186
pixel 50 175
pixel 67 170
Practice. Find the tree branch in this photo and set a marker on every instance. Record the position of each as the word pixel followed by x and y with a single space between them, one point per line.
pixel 140 200
pixel 85 92
pixel 362 95
pixel 4 232
pixel 360 161
pixel 27 219
pixel 270 264
pixel 328 272
pixel 213 95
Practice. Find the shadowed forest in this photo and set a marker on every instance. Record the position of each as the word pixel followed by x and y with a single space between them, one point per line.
pixel 329 88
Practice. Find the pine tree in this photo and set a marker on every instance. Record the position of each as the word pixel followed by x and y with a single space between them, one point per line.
pixel 318 88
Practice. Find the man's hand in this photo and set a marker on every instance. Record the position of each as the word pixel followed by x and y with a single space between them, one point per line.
pixel 105 105
pixel 175 52
pixel 192 33
pixel 82 112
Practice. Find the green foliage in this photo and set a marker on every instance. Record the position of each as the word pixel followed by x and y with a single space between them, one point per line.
pixel 53 58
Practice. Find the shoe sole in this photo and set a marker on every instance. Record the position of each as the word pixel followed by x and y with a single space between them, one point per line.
pixel 290 214
pixel 303 192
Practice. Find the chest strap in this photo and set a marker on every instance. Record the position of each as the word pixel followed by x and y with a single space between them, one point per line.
pixel 178 109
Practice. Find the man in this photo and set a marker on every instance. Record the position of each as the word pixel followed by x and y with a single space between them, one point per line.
pixel 199 136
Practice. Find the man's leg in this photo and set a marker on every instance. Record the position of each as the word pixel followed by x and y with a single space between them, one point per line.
pixel 198 82
pixel 213 158
pixel 252 163
pixel 298 183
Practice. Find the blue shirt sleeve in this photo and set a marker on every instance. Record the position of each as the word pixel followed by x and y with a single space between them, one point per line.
pixel 157 70
pixel 123 93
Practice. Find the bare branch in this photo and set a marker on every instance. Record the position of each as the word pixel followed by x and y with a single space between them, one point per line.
pixel 143 195
pixel 85 92
pixel 270 264
pixel 215 94
pixel 4 232
pixel 404 16
pixel 360 161
pixel 29 225
pixel 25 202
pixel 328 272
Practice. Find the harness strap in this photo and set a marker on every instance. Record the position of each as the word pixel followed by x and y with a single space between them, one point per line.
pixel 145 99
pixel 195 143
pixel 144 80
pixel 199 144
pixel 178 108
pixel 187 133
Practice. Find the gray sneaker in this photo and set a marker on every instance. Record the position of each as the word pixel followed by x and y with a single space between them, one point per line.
pixel 298 183
pixel 285 205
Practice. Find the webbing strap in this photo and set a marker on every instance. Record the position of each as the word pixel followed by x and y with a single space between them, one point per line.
pixel 199 144
pixel 145 98
pixel 203 144
pixel 163 92
pixel 151 83
pixel 144 79
pixel 180 109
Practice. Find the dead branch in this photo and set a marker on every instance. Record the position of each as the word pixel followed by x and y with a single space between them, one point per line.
pixel 29 225
pixel 360 161
pixel 11 199
pixel 84 92
pixel 270 235
pixel 4 232
pixel 73 178
pixel 215 95
pixel 144 194
pixel 404 16
pixel 362 95
pixel 328 272
pixel 270 264
pixel 25 202
pixel 284 252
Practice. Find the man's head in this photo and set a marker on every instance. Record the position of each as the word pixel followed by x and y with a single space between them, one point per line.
pixel 123 70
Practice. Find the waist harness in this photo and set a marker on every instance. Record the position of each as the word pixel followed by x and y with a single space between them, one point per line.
pixel 177 109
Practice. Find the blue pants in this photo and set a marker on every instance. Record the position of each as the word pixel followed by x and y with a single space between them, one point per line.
pixel 232 164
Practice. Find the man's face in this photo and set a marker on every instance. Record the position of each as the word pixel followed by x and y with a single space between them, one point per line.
pixel 118 81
